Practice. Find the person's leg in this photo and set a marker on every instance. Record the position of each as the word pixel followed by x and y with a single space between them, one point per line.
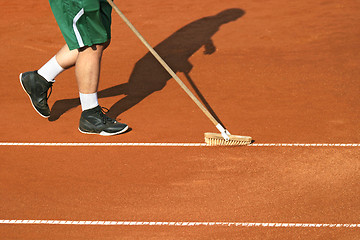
pixel 37 83
pixel 66 57
pixel 87 70
pixel 63 60
pixel 87 73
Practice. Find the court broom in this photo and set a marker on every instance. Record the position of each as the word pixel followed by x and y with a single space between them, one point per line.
pixel 211 139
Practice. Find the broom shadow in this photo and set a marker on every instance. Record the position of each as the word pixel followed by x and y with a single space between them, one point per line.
pixel 202 98
pixel 148 76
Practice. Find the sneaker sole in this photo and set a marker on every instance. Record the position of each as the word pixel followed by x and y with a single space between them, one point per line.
pixel 22 85
pixel 103 133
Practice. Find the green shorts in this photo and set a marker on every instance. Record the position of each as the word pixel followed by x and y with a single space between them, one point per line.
pixel 83 22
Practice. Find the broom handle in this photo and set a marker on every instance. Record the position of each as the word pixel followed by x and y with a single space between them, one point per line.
pixel 167 68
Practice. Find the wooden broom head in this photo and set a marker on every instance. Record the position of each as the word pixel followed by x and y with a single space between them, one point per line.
pixel 216 139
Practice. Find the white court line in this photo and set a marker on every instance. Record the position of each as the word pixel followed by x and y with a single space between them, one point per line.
pixel 175 144
pixel 181 224
pixel 305 145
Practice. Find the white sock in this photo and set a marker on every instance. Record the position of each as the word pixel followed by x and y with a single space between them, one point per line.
pixel 88 101
pixel 50 70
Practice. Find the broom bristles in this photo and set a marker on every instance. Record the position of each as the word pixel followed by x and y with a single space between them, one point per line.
pixel 216 139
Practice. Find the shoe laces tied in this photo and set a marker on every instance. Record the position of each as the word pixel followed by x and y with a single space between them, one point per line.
pixel 46 94
pixel 102 113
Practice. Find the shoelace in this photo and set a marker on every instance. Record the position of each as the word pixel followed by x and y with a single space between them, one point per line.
pixel 47 95
pixel 102 113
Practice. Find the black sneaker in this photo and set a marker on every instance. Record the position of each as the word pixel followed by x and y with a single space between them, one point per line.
pixel 37 88
pixel 94 121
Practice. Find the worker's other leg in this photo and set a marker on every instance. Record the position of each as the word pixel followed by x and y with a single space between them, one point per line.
pixel 93 120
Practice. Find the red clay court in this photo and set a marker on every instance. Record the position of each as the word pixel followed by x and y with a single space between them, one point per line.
pixel 283 72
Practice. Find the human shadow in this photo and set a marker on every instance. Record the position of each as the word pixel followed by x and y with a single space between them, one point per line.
pixel 148 76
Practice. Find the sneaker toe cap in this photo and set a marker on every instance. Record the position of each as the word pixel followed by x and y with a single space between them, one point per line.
pixel 117 128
